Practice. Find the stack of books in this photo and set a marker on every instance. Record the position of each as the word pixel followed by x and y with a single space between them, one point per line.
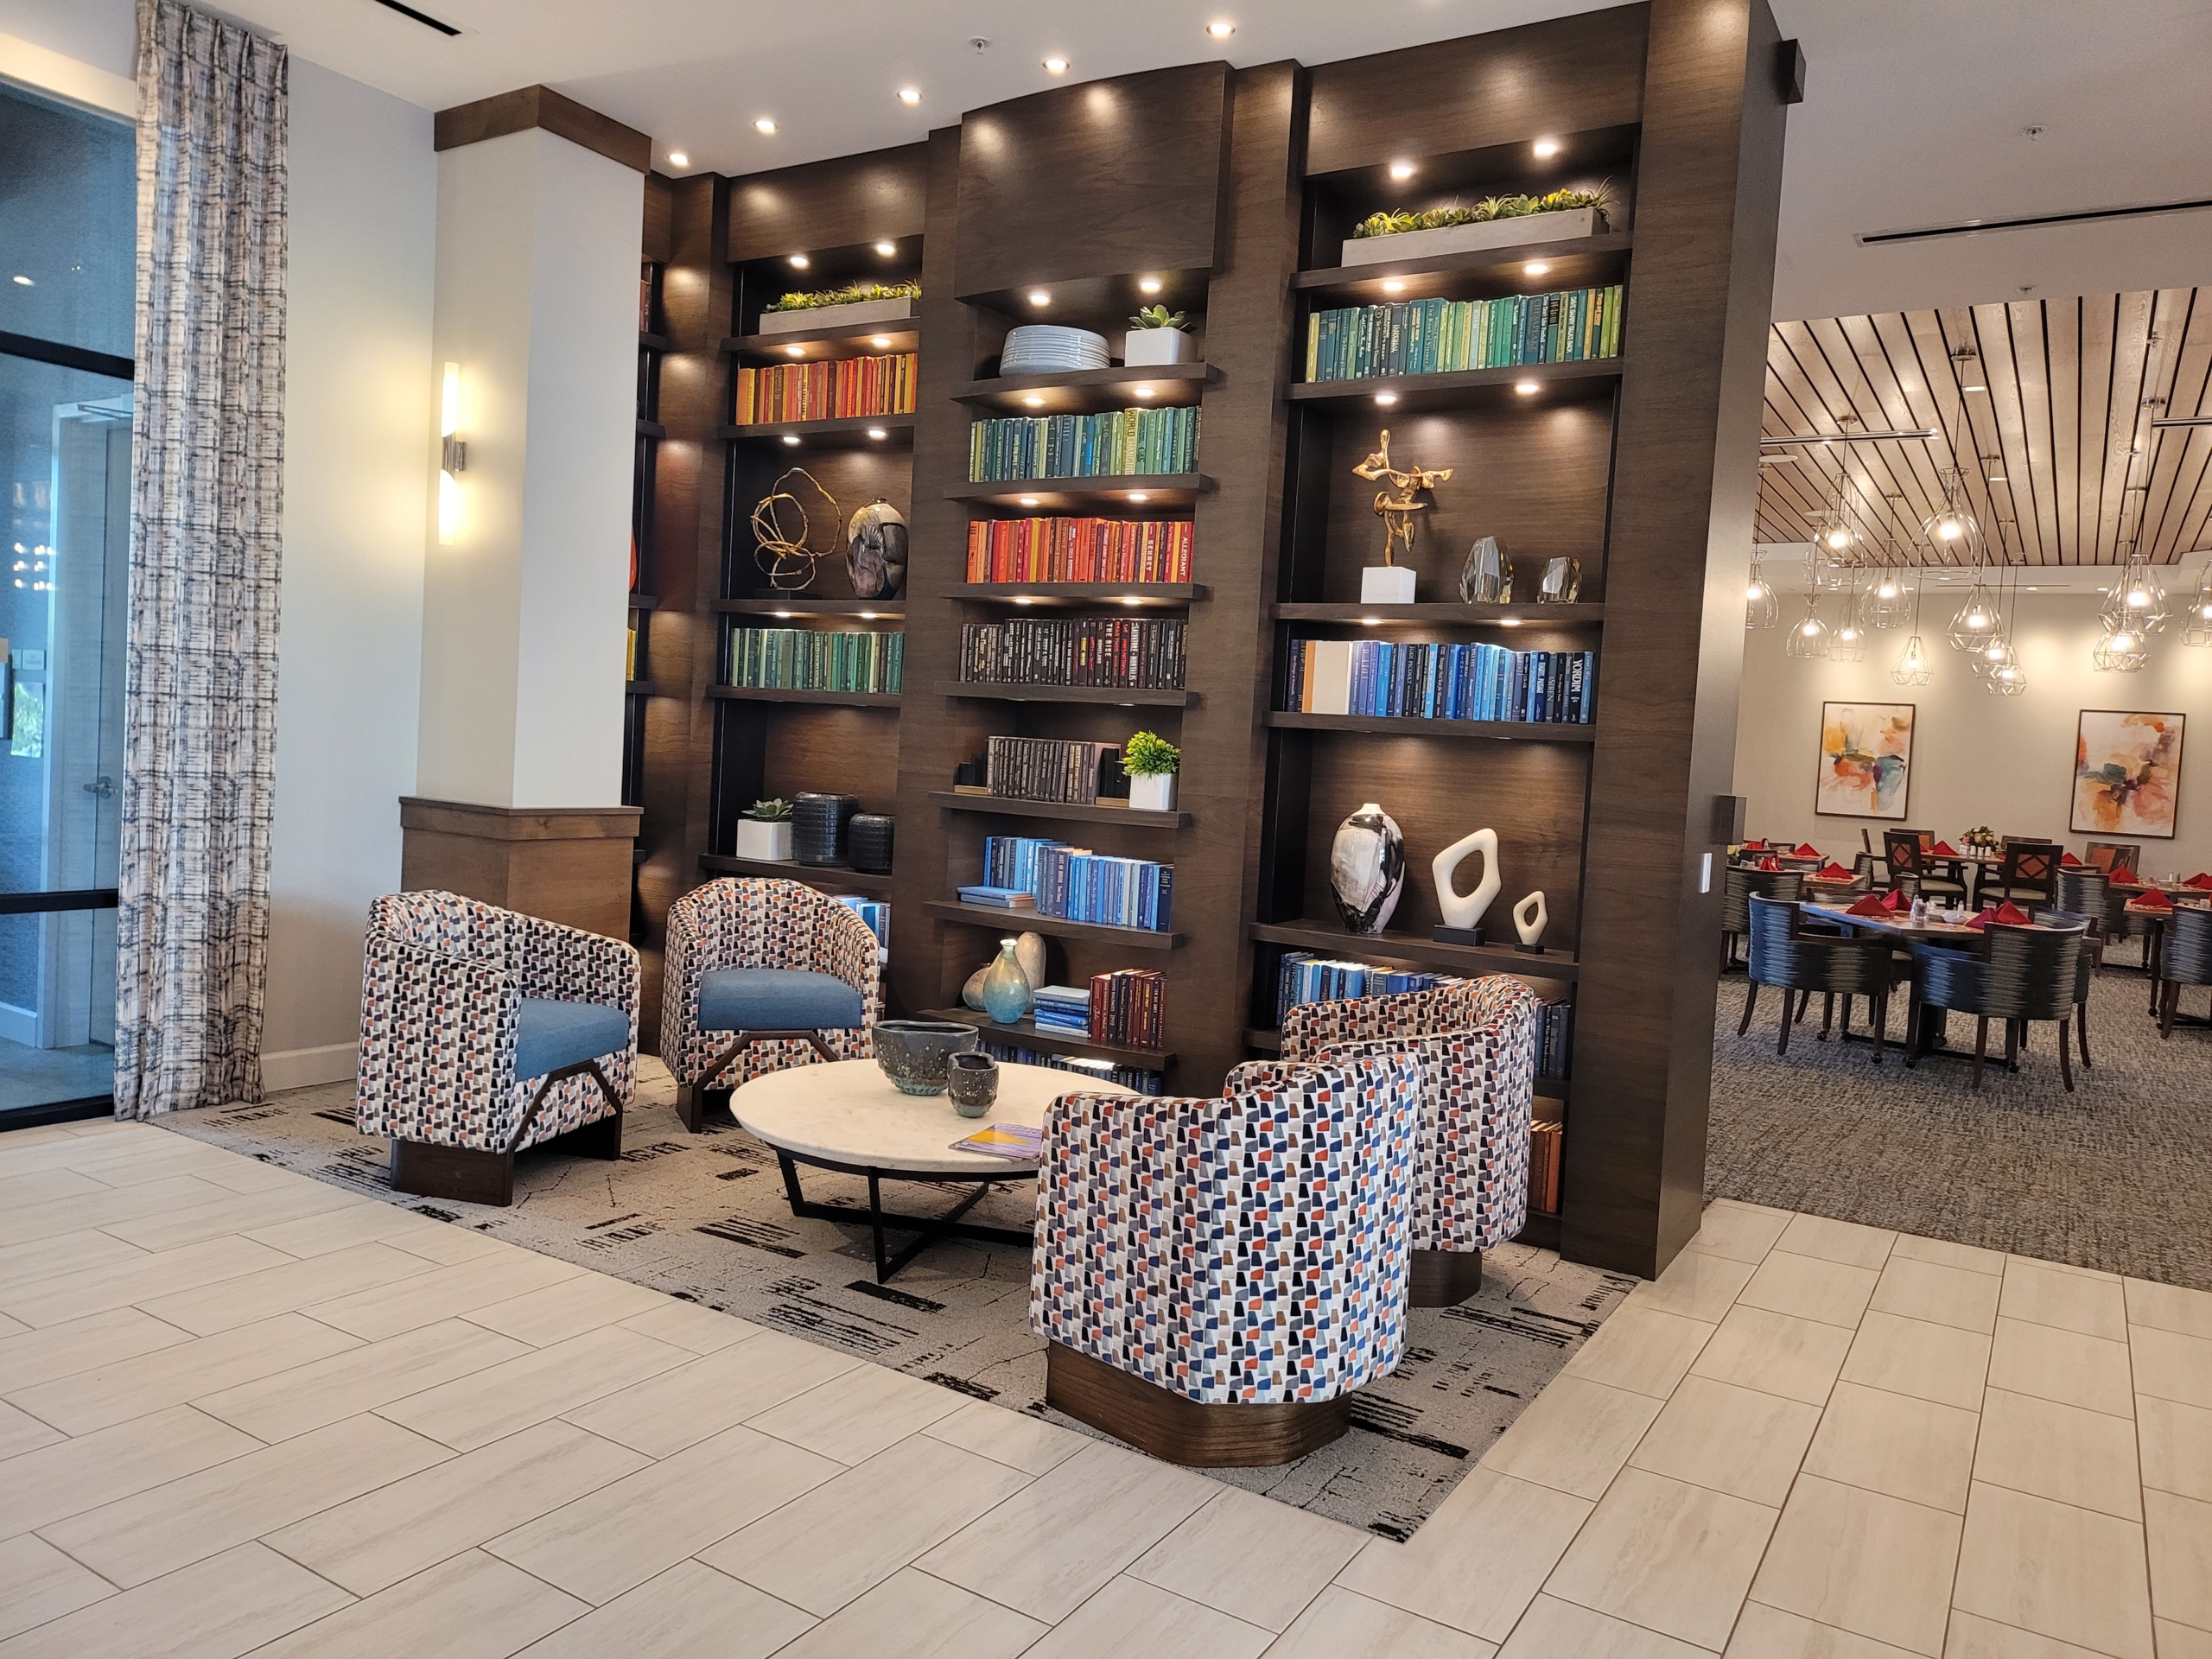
pixel 1076 885
pixel 1129 1006
pixel 1439 336
pixel 810 660
pixel 1546 1147
pixel 1129 1077
pixel 998 898
pixel 1079 549
pixel 1129 652
pixel 1433 681
pixel 1062 1009
pixel 1555 1040
pixel 826 391
pixel 1119 442
pixel 1047 769
pixel 1304 978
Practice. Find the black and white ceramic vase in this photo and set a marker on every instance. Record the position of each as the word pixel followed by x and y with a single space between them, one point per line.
pixel 1367 868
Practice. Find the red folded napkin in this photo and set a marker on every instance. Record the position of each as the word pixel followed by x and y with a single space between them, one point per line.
pixel 2121 876
pixel 1806 850
pixel 1770 863
pixel 1833 871
pixel 2069 863
pixel 2154 900
pixel 1944 849
pixel 2008 913
pixel 1895 900
pixel 1754 847
pixel 1869 906
pixel 2200 881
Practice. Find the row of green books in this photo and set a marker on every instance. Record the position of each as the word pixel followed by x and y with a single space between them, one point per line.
pixel 812 659
pixel 1120 442
pixel 1441 336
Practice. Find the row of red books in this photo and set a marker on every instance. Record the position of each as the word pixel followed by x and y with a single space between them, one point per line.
pixel 1129 1006
pixel 840 389
pixel 1078 550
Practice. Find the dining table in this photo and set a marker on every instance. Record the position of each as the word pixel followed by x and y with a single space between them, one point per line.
pixel 2154 946
pixel 1901 926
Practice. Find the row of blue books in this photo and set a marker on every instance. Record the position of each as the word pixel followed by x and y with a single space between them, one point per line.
pixel 1129 1077
pixel 1076 885
pixel 1429 680
pixel 1304 978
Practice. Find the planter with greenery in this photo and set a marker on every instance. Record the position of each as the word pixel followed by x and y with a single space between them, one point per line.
pixel 828 307
pixel 1493 222
pixel 1155 337
pixel 1152 763
pixel 765 831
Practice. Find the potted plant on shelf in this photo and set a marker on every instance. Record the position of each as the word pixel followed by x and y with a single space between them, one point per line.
pixel 1493 222
pixel 765 831
pixel 830 307
pixel 1152 763
pixel 1155 337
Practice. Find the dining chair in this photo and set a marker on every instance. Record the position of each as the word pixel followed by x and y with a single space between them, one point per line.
pixel 2028 875
pixel 1905 851
pixel 2083 892
pixel 2185 959
pixel 1786 953
pixel 2085 968
pixel 2011 974
pixel 2111 855
pixel 1736 889
pixel 2122 922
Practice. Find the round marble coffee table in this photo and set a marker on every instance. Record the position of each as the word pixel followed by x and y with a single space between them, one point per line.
pixel 847 1115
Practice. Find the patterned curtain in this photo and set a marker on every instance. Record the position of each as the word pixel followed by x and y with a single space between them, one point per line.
pixel 207 456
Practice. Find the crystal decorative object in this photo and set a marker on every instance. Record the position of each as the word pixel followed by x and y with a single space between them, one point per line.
pixel 1562 582
pixel 1487 576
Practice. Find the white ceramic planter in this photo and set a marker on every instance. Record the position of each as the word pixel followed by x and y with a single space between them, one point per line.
pixel 831 316
pixel 1148 349
pixel 1151 791
pixel 756 839
pixel 1469 239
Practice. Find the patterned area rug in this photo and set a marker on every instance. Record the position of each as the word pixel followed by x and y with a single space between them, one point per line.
pixel 2117 1175
pixel 703 1216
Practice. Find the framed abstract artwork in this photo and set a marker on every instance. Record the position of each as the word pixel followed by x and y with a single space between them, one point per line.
pixel 2126 772
pixel 1865 769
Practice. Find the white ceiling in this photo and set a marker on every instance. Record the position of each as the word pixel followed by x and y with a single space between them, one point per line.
pixel 1914 113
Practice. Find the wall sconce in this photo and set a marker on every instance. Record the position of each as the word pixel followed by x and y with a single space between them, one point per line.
pixel 453 457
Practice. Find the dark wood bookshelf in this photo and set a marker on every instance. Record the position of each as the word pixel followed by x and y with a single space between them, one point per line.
pixel 1125 696
pixel 1028 921
pixel 644 603
pixel 778 694
pixel 758 606
pixel 652 429
pixel 1465 388
pixel 1509 731
pixel 1133 595
pixel 1069 811
pixel 1573 262
pixel 1416 948
pixel 815 875
pixel 640 689
pixel 651 342
pixel 1540 1232
pixel 1082 392
pixel 833 339
pixel 1158 490
pixel 1265 1042
pixel 1024 1033
pixel 1451 612
pixel 846 432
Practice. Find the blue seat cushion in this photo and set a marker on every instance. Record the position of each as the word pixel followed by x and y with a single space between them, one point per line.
pixel 553 1034
pixel 776 999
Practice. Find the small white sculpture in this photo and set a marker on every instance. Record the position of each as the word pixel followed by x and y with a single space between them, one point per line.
pixel 1465 910
pixel 1529 918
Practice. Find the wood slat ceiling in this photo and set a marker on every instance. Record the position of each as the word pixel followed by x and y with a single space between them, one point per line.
pixel 2060 460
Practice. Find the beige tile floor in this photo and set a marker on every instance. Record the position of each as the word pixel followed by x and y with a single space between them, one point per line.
pixel 243 1412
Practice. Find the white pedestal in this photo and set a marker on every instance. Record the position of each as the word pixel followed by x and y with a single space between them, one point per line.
pixel 1386 584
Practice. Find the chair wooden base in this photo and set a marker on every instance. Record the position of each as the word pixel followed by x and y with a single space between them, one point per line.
pixel 1443 1278
pixel 475 1175
pixel 691 1097
pixel 1177 1430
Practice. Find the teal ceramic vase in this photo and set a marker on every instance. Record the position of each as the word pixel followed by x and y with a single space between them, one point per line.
pixel 1007 992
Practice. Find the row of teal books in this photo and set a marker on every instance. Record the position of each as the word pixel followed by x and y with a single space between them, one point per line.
pixel 1441 336
pixel 1117 443
pixel 810 659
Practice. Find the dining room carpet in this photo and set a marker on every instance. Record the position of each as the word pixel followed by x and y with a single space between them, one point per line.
pixel 703 1216
pixel 2117 1175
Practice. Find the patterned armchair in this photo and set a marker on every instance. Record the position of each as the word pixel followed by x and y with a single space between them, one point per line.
pixel 762 974
pixel 1474 1041
pixel 1213 1278
pixel 483 1031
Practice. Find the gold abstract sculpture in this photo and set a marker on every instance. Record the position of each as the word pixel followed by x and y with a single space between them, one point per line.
pixel 787 558
pixel 1397 510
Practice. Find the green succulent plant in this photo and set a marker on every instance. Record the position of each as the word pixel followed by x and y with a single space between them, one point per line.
pixel 1480 213
pixel 775 811
pixel 1156 316
pixel 851 294
pixel 1146 754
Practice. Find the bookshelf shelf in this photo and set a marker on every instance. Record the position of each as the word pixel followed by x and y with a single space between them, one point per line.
pixel 1082 391
pixel 1123 696
pixel 847 432
pixel 1072 812
pixel 1409 947
pixel 1509 731
pixel 1451 612
pixel 651 342
pixel 1266 1042
pixel 1028 921
pixel 815 875
pixel 644 603
pixel 640 689
pixel 652 429
pixel 1135 594
pixel 778 694
pixel 1158 490
pixel 889 609
pixel 837 339
pixel 1577 262
pixel 1465 387
pixel 1024 1033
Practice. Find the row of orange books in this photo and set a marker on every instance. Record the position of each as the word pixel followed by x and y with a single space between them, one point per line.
pixel 1078 550
pixel 1547 1146
pixel 840 389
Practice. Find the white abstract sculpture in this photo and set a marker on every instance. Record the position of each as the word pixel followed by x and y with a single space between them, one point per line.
pixel 1529 918
pixel 1465 910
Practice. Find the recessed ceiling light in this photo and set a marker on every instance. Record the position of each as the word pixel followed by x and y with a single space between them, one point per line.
pixel 796 351
pixel 1401 169
pixel 1535 267
pixel 1025 599
pixel 1038 297
pixel 910 94
pixel 785 616
pixel 886 249
pixel 1034 401
pixel 1028 501
pixel 1509 621
pixel 1138 495
pixel 678 158
pixel 1393 286
pixel 24 282
pixel 2032 587
pixel 1221 29
pixel 791 438
pixel 1973 388
pixel 1056 66
pixel 882 342
pixel 877 432
pixel 1370 621
pixel 1131 599
pixel 800 261
pixel 764 123
pixel 1147 284
pixel 1144 391
pixel 1524 387
pixel 871 616
pixel 1997 478
pixel 1546 147
pixel 1386 398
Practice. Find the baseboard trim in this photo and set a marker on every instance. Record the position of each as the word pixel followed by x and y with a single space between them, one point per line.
pixel 303 1068
pixel 19 1025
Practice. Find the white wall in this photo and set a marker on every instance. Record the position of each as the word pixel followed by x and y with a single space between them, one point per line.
pixel 359 411
pixel 2007 762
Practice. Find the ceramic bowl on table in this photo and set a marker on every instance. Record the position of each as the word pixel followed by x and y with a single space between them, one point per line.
pixel 913 1053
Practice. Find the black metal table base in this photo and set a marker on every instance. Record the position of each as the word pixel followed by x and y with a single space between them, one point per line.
pixel 932 1229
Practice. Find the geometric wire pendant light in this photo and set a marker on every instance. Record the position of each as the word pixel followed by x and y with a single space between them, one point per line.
pixel 1808 636
pixel 1848 643
pixel 1913 667
pixel 2004 675
pixel 1977 621
pixel 1886 600
pixel 1761 609
pixel 2199 630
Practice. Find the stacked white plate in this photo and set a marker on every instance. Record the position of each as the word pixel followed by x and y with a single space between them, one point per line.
pixel 1048 348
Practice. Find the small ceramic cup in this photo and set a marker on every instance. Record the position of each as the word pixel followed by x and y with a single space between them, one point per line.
pixel 972 1080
